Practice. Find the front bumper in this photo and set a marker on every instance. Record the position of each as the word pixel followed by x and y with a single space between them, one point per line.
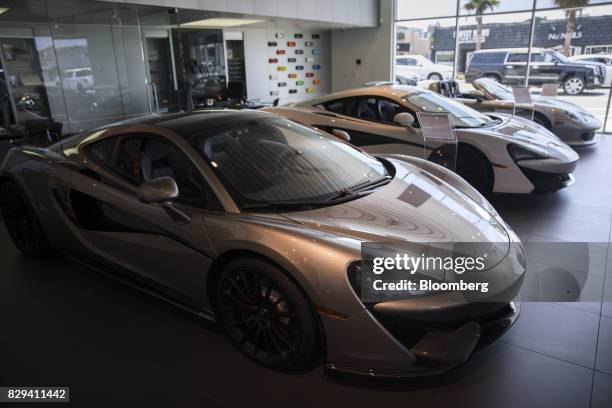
pixel 424 335
pixel 438 351
pixel 545 182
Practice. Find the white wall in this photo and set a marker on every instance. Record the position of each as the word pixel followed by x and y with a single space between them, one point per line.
pixel 373 46
pixel 259 69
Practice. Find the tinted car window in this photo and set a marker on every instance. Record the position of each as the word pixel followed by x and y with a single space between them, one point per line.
pixel 517 57
pixel 275 160
pixel 128 160
pixel 144 159
pixel 488 57
pixel 406 61
pixel 388 109
pixel 102 151
pixel 367 108
pixel 461 115
pixel 337 106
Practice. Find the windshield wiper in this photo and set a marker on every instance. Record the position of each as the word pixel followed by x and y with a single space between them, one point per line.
pixel 368 184
pixel 303 205
pixel 283 205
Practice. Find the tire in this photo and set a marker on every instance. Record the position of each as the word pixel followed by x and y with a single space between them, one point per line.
pixel 22 222
pixel 267 316
pixel 474 167
pixel 573 85
pixel 435 77
pixel 492 77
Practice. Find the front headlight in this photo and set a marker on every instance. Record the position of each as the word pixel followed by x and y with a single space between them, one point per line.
pixel 518 152
pixel 571 115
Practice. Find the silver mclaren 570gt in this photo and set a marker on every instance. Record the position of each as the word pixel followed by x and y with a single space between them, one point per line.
pixel 258 222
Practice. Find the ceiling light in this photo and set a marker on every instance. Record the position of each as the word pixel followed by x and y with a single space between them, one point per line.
pixel 221 22
pixel 4 10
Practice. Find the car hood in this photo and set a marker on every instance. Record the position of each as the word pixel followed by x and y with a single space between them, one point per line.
pixel 414 207
pixel 441 67
pixel 552 102
pixel 516 129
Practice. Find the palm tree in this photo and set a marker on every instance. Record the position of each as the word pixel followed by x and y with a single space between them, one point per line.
pixel 479 7
pixel 575 6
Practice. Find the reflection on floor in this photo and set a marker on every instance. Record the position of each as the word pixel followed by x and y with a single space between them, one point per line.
pixel 65 325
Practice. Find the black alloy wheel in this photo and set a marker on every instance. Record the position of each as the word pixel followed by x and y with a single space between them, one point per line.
pixel 21 221
pixel 267 316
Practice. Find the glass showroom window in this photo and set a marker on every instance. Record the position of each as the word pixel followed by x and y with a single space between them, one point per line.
pixel 576 36
pixel 515 43
pixel 416 58
pixel 494 46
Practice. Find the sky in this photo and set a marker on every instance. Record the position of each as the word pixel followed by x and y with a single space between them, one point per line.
pixel 410 9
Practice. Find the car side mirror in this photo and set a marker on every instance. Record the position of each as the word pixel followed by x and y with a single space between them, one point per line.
pixel 163 191
pixel 341 134
pixel 404 119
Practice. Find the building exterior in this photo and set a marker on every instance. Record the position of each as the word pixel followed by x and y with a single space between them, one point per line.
pixel 412 41
pixel 588 37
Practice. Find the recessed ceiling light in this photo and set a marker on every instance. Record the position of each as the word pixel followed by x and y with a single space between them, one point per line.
pixel 4 10
pixel 221 22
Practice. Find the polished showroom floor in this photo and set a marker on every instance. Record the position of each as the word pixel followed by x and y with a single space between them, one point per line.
pixel 62 324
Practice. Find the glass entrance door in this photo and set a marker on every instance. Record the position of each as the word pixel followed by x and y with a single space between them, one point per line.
pixel 162 76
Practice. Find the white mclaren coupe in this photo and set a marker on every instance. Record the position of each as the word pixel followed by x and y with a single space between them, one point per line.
pixel 496 152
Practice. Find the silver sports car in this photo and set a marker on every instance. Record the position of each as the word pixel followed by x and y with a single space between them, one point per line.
pixel 258 222
pixel 570 122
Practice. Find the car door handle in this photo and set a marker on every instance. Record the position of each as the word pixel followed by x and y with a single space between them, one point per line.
pixel 509 66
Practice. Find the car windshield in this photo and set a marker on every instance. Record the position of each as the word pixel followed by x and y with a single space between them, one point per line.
pixel 273 160
pixel 461 115
pixel 499 91
pixel 559 56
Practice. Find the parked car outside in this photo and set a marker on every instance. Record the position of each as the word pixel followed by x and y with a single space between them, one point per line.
pixel 78 79
pixel 605 59
pixel 546 66
pixel 422 67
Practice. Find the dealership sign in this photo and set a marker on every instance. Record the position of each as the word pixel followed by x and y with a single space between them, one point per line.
pixel 469 36
pixel 561 36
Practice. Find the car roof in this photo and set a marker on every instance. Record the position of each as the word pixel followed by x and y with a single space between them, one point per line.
pixel 394 91
pixel 179 122
pixel 591 56
pixel 534 49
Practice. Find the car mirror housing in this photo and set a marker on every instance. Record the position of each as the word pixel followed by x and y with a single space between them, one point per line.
pixel 404 119
pixel 161 190
pixel 341 134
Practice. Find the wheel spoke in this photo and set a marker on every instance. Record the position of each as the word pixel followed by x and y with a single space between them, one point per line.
pixel 257 341
pixel 237 300
pixel 247 287
pixel 277 346
pixel 246 297
pixel 281 336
